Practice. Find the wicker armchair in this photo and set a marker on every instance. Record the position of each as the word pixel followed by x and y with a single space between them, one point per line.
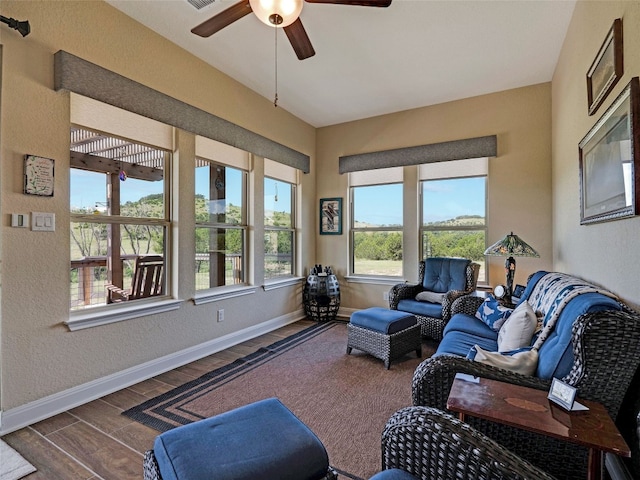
pixel 606 347
pixel 432 326
pixel 431 444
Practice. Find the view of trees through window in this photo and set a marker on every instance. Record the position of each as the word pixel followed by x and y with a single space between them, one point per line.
pixel 377 230
pixel 453 224
pixel 279 228
pixel 454 220
pixel 220 225
pixel 118 213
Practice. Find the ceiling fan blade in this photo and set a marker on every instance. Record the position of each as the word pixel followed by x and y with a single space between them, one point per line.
pixel 299 39
pixel 223 19
pixel 361 3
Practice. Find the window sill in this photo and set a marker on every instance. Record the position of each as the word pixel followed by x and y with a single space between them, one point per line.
pixel 374 280
pixel 96 317
pixel 281 283
pixel 222 294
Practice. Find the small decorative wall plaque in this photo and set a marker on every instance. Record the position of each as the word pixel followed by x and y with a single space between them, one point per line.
pixel 38 175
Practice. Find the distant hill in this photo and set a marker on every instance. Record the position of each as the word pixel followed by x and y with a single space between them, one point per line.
pixel 463 220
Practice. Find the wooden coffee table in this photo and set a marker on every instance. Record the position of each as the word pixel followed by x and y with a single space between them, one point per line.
pixel 531 410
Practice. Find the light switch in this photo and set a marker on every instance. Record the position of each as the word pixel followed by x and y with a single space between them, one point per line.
pixel 20 220
pixel 43 222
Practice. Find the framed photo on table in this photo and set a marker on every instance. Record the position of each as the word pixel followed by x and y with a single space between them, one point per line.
pixel 562 394
pixel 331 216
pixel 608 161
pixel 607 68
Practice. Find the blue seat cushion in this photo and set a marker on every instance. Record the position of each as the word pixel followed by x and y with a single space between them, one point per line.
pixel 262 440
pixel 459 343
pixel 444 274
pixel 425 309
pixel 393 474
pixel 462 322
pixel 383 320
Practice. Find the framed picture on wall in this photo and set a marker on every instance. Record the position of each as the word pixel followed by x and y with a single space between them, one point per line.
pixel 331 216
pixel 607 68
pixel 609 165
pixel 38 175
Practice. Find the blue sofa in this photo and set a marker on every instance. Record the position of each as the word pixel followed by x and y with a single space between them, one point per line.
pixel 555 357
pixel 595 346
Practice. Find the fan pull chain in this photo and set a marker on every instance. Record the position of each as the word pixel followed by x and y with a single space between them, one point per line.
pixel 275 100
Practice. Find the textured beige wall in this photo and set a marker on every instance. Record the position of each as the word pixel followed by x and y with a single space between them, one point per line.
pixel 606 253
pixel 39 356
pixel 519 186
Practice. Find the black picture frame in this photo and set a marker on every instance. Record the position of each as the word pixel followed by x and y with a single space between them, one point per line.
pixel 331 216
pixel 562 394
pixel 608 161
pixel 606 69
pixel 39 175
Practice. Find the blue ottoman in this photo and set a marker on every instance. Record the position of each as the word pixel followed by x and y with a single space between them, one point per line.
pixel 385 334
pixel 262 440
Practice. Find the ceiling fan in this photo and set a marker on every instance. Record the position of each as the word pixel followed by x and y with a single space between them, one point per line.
pixel 277 13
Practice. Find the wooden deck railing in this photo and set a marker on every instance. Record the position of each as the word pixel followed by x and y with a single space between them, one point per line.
pixel 90 287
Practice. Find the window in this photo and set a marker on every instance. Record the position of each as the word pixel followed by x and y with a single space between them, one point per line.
pixel 454 213
pixel 376 225
pixel 221 225
pixel 279 228
pixel 119 212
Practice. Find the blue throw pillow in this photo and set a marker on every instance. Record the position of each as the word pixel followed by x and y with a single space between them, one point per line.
pixel 492 313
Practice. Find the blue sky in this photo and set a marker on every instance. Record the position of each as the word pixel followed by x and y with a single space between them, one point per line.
pixel 380 204
pixel 442 200
pixel 89 189
pixel 445 199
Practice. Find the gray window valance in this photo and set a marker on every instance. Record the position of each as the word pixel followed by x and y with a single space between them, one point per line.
pixel 435 152
pixel 90 80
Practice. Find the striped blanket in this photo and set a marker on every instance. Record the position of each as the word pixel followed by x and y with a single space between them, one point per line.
pixel 552 293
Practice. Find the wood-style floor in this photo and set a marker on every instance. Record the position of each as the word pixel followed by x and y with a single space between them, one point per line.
pixel 94 441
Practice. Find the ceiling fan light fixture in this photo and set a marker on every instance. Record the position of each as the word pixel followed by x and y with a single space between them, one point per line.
pixel 277 13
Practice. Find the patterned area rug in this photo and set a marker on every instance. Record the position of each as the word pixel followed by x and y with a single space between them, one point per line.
pixel 345 399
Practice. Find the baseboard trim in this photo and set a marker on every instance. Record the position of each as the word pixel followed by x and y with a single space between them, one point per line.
pixel 38 410
pixel 346 312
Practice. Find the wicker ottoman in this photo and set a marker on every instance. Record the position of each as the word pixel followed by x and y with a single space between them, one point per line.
pixel 385 334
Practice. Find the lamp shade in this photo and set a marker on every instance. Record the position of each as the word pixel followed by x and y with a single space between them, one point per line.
pixel 511 246
pixel 277 13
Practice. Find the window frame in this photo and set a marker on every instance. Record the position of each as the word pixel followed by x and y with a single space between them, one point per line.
pixel 292 229
pixel 214 225
pixel 423 229
pixel 104 313
pixel 354 230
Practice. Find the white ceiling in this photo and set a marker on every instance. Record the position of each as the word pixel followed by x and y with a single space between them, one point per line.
pixel 372 61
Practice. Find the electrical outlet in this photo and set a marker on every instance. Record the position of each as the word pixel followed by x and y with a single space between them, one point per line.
pixel 221 315
pixel 385 296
